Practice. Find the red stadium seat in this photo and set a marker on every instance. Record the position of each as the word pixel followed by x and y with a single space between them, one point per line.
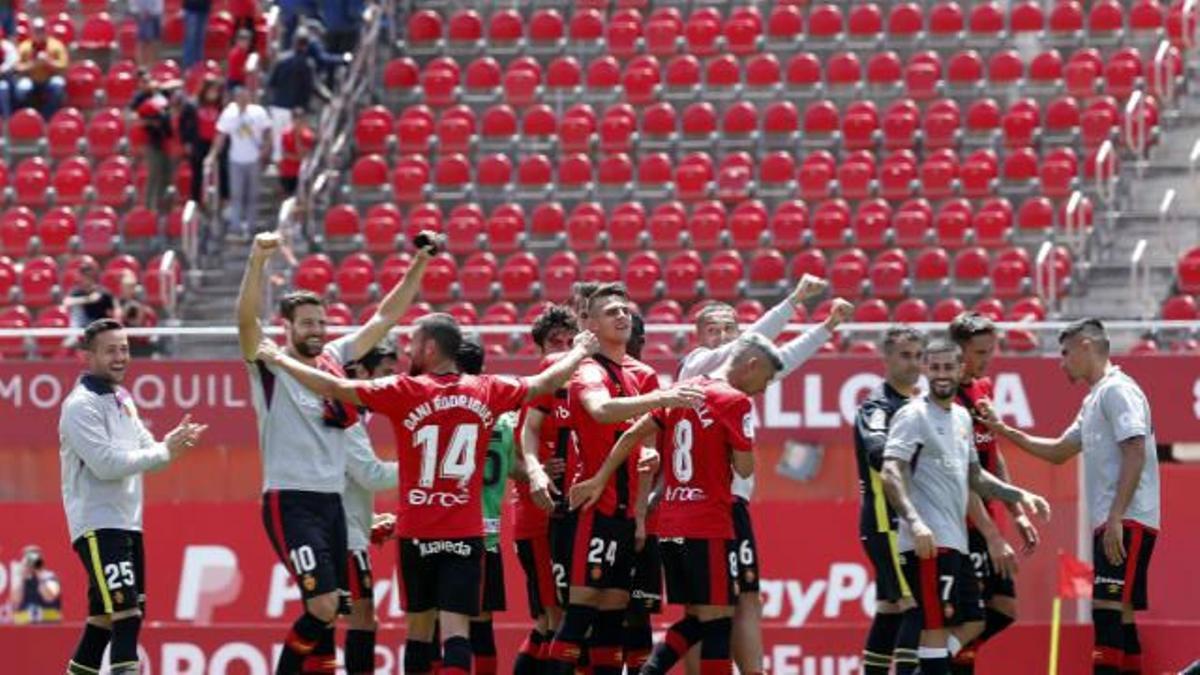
pixel 911 310
pixel 1180 308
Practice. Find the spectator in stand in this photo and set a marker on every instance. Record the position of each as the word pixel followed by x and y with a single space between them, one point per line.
pixel 292 11
pixel 195 22
pixel 43 61
pixel 36 595
pixel 8 17
pixel 146 88
pixel 298 141
pixel 149 16
pixel 243 47
pixel 134 313
pixel 154 115
pixel 198 130
pixel 246 127
pixel 292 85
pixel 8 64
pixel 245 17
pixel 325 63
pixel 343 22
pixel 88 301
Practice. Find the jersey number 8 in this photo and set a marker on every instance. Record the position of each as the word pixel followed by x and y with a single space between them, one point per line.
pixel 681 453
pixel 459 462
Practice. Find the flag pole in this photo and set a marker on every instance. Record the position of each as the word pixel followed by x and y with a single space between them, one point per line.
pixel 1055 625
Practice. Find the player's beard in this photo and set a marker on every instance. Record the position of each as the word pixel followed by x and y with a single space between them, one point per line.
pixel 309 347
pixel 415 368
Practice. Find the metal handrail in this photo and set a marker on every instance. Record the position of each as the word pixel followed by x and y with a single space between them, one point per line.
pixel 1165 73
pixel 1135 128
pixel 1075 225
pixel 1045 288
pixel 190 235
pixel 1188 37
pixel 1105 177
pixel 1139 275
pixel 166 278
pixel 1166 220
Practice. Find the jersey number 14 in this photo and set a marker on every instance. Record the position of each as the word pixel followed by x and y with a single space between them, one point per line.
pixel 459 460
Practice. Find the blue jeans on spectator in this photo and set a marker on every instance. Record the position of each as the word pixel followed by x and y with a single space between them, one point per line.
pixel 8 21
pixel 49 94
pixel 5 97
pixel 194 25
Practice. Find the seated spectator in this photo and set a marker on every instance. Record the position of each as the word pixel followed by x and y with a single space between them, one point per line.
pixel 298 141
pixel 36 595
pixel 134 313
pixel 8 65
pixel 238 56
pixel 291 85
pixel 43 62
pixel 88 301
pixel 149 17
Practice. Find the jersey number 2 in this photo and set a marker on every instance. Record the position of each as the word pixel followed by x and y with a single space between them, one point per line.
pixel 459 462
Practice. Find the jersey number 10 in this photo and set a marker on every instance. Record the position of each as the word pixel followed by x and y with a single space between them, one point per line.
pixel 459 462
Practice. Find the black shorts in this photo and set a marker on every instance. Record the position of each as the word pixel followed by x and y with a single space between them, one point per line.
pixel 991 584
pixel 701 571
pixel 362 579
pixel 1125 583
pixel 747 549
pixel 884 553
pixel 562 543
pixel 944 587
pixel 115 563
pixel 493 581
pixel 538 566
pixel 647 592
pixel 308 532
pixel 442 574
pixel 601 550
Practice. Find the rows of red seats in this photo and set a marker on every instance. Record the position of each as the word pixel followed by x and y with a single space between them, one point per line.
pixel 98 230
pixel 745 30
pixel 41 280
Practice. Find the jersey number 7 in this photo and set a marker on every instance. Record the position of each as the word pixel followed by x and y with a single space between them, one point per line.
pixel 459 461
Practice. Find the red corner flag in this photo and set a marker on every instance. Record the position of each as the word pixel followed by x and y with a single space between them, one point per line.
pixel 1074 577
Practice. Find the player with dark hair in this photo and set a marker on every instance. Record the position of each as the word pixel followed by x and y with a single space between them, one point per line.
pixel 903 350
pixel 545 444
pixel 930 497
pixel 1115 434
pixel 304 446
pixel 604 396
pixel 443 421
pixel 105 448
pixel 994 560
pixel 702 446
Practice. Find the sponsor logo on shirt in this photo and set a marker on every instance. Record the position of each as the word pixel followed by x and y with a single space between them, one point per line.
pixel 1110 580
pixel 686 494
pixel 420 497
pixel 459 548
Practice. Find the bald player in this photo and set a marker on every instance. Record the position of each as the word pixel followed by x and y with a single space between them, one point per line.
pixel 1115 433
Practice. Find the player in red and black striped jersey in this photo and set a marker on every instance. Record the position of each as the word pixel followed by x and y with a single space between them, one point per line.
pixel 701 448
pixel 443 420
pixel 603 397
pixel 994 560
pixel 545 441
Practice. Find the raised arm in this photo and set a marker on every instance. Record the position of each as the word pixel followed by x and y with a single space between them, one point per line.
pixel 394 305
pixel 587 492
pixel 1054 450
pixel 317 381
pixel 796 352
pixel 249 300
pixel 555 377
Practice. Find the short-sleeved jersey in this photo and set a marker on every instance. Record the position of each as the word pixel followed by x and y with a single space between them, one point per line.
pixel 1116 410
pixel 303 443
pixel 939 446
pixel 443 425
pixel 595 440
pixel 871 424
pixel 986 446
pixel 496 468
pixel 555 440
pixel 697 446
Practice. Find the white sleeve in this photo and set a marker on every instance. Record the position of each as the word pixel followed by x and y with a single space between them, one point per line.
pixel 1125 410
pixel 225 123
pixel 904 436
pixel 703 360
pixel 363 467
pixel 801 349
pixel 1074 433
pixel 83 429
pixel 774 320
